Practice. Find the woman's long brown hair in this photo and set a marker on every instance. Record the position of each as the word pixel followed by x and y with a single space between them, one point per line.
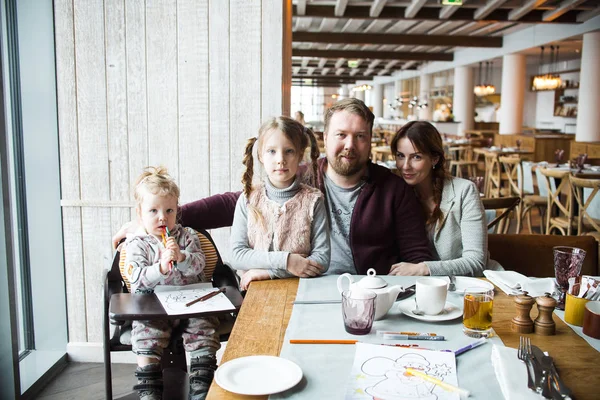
pixel 427 140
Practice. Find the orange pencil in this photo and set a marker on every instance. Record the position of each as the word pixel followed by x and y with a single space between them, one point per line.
pixel 321 341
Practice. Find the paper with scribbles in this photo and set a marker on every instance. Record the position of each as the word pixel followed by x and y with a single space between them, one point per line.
pixel 379 372
pixel 175 298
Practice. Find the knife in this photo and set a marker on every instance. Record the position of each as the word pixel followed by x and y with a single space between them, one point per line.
pixel 546 363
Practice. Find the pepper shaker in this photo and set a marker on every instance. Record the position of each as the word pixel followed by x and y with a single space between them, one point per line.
pixel 522 322
pixel 544 324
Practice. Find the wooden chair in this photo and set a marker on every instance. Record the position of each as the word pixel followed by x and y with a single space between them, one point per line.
pixel 494 176
pixel 586 223
pixel 502 205
pixel 119 339
pixel 516 180
pixel 462 157
pixel 559 214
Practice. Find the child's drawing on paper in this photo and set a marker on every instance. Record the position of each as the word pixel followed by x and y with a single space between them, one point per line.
pixel 397 383
pixel 175 298
pixel 379 372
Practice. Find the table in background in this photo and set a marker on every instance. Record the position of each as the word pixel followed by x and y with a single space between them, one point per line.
pixel 265 314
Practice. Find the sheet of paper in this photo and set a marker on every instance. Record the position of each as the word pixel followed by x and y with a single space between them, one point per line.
pixel 378 372
pixel 175 298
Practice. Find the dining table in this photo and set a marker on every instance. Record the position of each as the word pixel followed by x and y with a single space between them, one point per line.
pixel 261 326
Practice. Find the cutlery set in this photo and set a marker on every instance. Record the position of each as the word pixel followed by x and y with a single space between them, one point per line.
pixel 542 376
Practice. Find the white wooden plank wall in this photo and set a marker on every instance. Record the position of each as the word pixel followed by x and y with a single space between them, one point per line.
pixel 180 83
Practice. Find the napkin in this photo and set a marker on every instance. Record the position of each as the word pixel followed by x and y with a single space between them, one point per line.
pixel 513 283
pixel 511 374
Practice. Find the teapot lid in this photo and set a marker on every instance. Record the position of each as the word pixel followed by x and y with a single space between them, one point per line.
pixel 372 281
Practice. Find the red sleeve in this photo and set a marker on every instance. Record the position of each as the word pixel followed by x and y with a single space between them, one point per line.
pixel 211 212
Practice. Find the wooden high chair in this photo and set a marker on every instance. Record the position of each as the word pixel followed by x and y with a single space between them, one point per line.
pixel 586 223
pixel 559 214
pixel 117 333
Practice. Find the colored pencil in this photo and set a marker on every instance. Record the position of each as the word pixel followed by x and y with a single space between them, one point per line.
pixel 173 263
pixel 446 386
pixel 206 297
pixel 321 341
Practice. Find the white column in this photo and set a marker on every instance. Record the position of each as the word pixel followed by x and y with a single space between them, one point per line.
pixel 513 93
pixel 425 113
pixel 397 89
pixel 360 94
pixel 588 117
pixel 377 100
pixel 344 92
pixel 463 106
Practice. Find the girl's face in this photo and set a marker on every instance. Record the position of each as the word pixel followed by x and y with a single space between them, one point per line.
pixel 280 158
pixel 414 165
pixel 155 212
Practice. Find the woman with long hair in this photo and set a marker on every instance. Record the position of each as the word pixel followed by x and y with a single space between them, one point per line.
pixel 452 206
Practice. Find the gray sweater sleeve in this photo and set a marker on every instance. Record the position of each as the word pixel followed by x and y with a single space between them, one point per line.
pixel 473 235
pixel 243 257
pixel 319 239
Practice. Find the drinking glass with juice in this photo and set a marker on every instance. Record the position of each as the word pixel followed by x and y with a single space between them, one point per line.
pixel 477 314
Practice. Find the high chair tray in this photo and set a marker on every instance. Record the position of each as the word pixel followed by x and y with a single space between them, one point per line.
pixel 147 307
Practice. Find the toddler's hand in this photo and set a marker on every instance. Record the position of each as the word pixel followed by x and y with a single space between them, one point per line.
pixel 253 275
pixel 166 258
pixel 172 245
pixel 303 267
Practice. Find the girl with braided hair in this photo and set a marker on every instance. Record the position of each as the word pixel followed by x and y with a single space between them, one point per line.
pixel 280 226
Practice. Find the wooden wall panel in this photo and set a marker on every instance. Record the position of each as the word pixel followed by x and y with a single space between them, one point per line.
pixel 161 67
pixel 181 83
pixel 272 42
pixel 69 167
pixel 192 57
pixel 136 92
pixel 245 79
pixel 219 106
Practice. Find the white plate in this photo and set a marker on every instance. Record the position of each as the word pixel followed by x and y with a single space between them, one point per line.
pixel 258 375
pixel 451 311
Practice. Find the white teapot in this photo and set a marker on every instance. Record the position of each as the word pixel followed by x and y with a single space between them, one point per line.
pixel 386 295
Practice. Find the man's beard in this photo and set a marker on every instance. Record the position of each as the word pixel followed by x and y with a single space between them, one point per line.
pixel 345 168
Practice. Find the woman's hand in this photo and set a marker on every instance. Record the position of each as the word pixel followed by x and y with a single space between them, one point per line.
pixel 253 275
pixel 408 269
pixel 128 227
pixel 303 267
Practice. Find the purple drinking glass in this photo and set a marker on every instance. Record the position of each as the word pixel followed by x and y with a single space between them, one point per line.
pixel 567 264
pixel 358 310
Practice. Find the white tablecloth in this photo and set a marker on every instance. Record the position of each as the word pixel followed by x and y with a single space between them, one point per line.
pixel 326 368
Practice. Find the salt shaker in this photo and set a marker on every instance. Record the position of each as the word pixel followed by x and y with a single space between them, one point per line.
pixel 522 322
pixel 544 324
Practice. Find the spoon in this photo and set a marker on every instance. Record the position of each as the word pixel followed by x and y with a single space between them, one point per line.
pixel 416 311
pixel 452 285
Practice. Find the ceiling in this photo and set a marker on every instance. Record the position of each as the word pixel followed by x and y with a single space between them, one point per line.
pixel 384 36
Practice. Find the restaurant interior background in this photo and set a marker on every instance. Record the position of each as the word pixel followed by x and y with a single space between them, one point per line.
pixel 95 90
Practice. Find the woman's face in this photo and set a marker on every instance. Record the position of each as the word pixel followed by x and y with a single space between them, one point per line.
pixel 414 165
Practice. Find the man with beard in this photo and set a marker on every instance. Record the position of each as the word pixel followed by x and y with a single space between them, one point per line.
pixel 375 219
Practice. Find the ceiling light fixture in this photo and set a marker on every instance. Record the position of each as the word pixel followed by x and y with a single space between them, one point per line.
pixel 548 81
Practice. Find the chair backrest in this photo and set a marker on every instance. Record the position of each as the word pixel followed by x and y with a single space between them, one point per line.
pixel 514 173
pixel 211 254
pixel 493 177
pixel 461 153
pixel 532 255
pixel 504 205
pixel 587 206
pixel 554 199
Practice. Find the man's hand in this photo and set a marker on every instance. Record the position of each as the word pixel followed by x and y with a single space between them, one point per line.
pixel 253 275
pixel 408 269
pixel 303 267
pixel 128 227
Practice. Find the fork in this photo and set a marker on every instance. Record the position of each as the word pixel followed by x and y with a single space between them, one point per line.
pixel 523 353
